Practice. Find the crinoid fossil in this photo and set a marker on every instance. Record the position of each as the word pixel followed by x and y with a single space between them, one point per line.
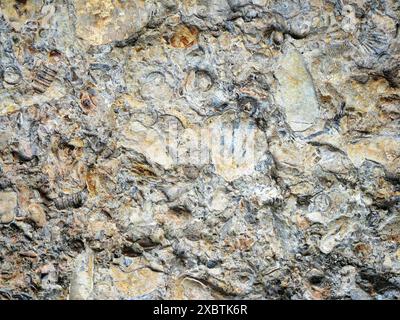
pixel 43 78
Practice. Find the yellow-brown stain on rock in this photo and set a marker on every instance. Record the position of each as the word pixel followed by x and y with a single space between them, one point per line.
pixel 184 37
pixel 92 182
pixel 82 278
pixel 8 202
pixel 37 214
pixel 296 92
pixel 385 150
pixel 136 283
pixel 190 289
pixel 19 13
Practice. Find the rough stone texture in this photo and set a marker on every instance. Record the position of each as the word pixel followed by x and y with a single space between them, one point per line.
pixel 199 149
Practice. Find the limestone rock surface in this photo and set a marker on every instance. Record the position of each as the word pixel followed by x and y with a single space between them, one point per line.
pixel 199 149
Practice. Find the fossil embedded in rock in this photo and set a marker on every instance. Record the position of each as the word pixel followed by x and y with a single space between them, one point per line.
pixel 43 78
pixel 75 200
pixel 88 100
pixel 184 37
pixel 8 204
pixel 199 149
pixel 11 75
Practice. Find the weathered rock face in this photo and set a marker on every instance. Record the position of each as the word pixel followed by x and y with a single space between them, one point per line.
pixel 199 149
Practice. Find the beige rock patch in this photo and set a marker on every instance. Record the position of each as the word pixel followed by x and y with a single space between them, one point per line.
pixel 190 289
pixel 8 202
pixel 37 214
pixel 296 92
pixel 103 21
pixel 82 279
pixel 385 150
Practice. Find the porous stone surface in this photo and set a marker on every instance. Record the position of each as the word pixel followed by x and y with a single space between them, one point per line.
pixel 199 149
